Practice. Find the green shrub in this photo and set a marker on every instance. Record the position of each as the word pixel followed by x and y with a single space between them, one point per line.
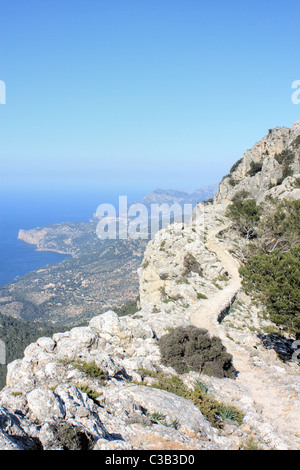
pixel 245 215
pixel 92 394
pixel 201 296
pixel 91 369
pixel 192 348
pixel 286 171
pixel 159 418
pixel 296 142
pixel 209 407
pixel 279 181
pixel 232 181
pixel 255 167
pixel 215 412
pixel 130 308
pixel 71 437
pixel 250 444
pixel 275 279
pixel 172 384
pixel 286 157
pixel 229 413
pixel 183 280
pixel 235 165
pixel 297 183
pixel 279 226
pixel 162 245
pixel 243 194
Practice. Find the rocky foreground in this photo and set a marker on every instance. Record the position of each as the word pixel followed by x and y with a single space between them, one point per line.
pixel 93 387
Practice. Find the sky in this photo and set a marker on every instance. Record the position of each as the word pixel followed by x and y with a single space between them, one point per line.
pixel 141 93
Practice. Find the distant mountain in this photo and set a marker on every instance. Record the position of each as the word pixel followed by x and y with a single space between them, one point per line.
pixel 171 196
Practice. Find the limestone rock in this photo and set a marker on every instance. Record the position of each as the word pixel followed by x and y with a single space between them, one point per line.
pixel 45 405
pixel 258 170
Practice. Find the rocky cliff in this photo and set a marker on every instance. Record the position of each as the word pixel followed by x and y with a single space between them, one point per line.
pixel 270 167
pixel 103 386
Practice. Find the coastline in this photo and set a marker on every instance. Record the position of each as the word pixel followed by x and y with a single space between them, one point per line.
pixel 36 237
pixel 53 250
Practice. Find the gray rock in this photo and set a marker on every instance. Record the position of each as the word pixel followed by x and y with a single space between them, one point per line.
pixel 16 433
pixel 48 344
pixel 131 398
pixel 45 405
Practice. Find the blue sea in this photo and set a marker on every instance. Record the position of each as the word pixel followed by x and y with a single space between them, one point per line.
pixel 30 208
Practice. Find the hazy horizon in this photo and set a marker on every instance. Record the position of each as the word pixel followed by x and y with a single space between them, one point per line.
pixel 161 94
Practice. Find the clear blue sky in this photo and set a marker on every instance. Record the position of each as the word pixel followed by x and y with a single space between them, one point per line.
pixel 141 93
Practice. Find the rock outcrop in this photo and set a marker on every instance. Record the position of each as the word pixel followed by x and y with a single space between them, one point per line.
pixel 46 397
pixel 261 173
pixel 92 387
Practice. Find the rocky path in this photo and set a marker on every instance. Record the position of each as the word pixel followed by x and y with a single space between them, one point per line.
pixel 212 308
pixel 273 387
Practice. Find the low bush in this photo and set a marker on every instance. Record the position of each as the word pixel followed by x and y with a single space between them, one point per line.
pixel 245 215
pixel 71 437
pixel 296 142
pixel 130 308
pixel 201 296
pixel 274 279
pixel 232 181
pixel 90 369
pixel 242 194
pixel 255 167
pixel 214 411
pixel 192 348
pixel 91 393
pixel 236 165
pixel 286 157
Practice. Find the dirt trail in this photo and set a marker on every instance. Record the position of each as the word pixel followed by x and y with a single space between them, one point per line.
pixel 265 384
pixel 211 308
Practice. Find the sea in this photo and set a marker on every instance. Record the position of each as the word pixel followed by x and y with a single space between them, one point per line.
pixel 28 208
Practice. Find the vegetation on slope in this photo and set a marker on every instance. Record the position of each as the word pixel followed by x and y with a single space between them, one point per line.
pixel 214 411
pixel 192 348
pixel 245 214
pixel 275 279
pixel 129 308
pixel 271 271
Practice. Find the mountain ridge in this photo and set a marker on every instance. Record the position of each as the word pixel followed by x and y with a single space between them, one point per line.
pixel 106 381
pixel 171 196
